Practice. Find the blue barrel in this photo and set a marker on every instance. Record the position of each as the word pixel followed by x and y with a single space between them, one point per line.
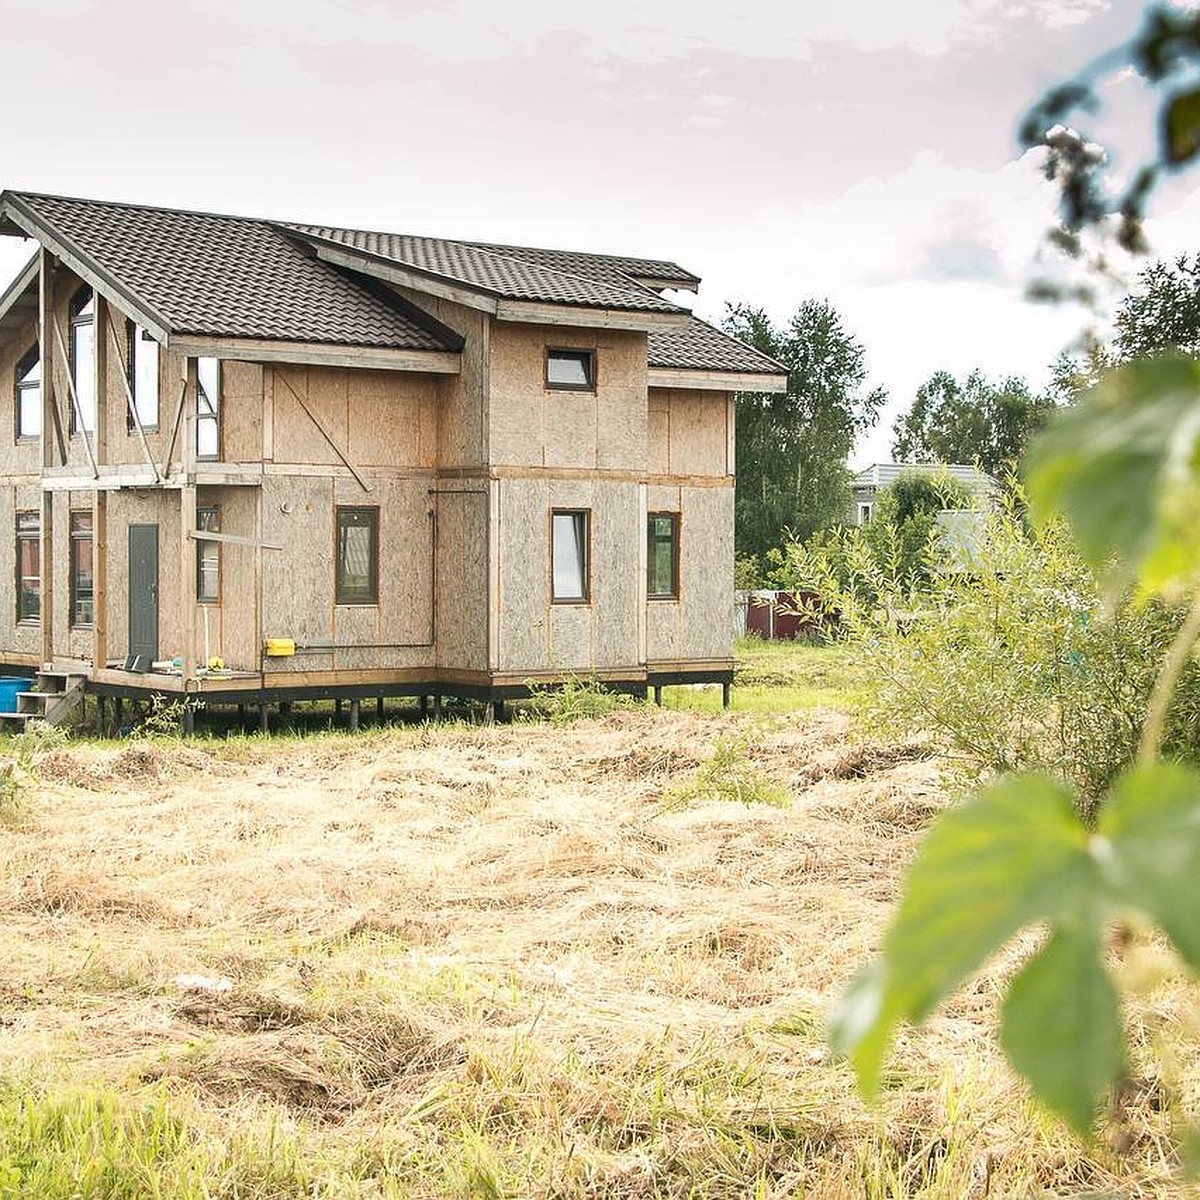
pixel 10 685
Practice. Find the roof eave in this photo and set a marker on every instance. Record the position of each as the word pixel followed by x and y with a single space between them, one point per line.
pixel 701 379
pixel 14 211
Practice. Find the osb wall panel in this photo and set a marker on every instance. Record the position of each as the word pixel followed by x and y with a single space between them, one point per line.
pixel 376 418
pixel 699 625
pixel 127 508
pixel 233 625
pixel 688 432
pixel 462 578
pixel 299 583
pixel 75 643
pixel 531 425
pixel 14 638
pixel 462 398
pixel 16 458
pixel 536 634
pixel 241 408
pixel 124 445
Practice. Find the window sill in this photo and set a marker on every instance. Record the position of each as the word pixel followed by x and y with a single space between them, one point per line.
pixel 356 604
pixel 29 623
pixel 663 599
pixel 570 387
pixel 581 602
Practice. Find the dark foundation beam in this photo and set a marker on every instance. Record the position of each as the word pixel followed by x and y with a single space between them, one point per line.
pixel 354 706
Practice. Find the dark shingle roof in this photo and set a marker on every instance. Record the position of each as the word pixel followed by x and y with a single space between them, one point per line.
pixel 699 347
pixel 224 276
pixel 499 274
pixel 614 267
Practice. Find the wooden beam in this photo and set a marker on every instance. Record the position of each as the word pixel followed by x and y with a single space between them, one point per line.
pixel 233 539
pixel 99 578
pixel 322 431
pixel 110 479
pixel 51 419
pixel 100 378
pixel 429 282
pixel 187 578
pixel 372 358
pixel 715 381
pixel 129 399
pixel 578 316
pixel 66 358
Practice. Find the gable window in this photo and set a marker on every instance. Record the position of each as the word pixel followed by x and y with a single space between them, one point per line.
pixel 29 394
pixel 82 593
pixel 357 555
pixel 29 567
pixel 208 408
pixel 570 535
pixel 83 360
pixel 208 556
pixel 142 361
pixel 571 370
pixel 662 556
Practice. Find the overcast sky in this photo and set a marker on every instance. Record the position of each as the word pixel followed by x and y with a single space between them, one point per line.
pixel 859 151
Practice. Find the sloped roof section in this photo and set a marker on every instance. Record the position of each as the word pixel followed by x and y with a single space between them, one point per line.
pixel 882 475
pixel 613 267
pixel 495 273
pixel 698 346
pixel 220 276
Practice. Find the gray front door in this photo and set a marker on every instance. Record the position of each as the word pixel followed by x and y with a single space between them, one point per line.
pixel 143 597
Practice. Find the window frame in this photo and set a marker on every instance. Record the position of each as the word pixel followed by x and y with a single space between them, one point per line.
pixel 341 596
pixel 31 358
pixel 202 510
pixel 84 295
pixel 134 336
pixel 583 515
pixel 214 415
pixel 78 535
pixel 33 534
pixel 587 357
pixel 676 521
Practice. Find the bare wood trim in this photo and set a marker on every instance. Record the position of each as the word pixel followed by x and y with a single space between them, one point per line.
pixel 51 418
pixel 46 570
pixel 187 578
pixel 667 665
pixel 495 592
pixel 20 214
pixel 234 539
pixel 436 362
pixel 62 349
pixel 166 467
pixel 68 479
pixel 323 432
pixel 588 318
pixel 19 286
pixel 731 436
pixel 129 400
pixel 643 571
pixel 100 577
pixel 412 277
pixel 100 375
pixel 336 472
pixel 715 381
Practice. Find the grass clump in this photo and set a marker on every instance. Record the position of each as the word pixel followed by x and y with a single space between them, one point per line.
pixel 574 698
pixel 729 774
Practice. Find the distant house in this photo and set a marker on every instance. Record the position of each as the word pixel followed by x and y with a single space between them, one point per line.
pixel 867 484
pixel 264 461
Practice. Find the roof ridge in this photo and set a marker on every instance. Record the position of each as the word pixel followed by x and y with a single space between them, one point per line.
pixel 615 258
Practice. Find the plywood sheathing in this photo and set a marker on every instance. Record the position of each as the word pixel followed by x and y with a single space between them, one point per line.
pixel 532 426
pixel 462 575
pixel 688 433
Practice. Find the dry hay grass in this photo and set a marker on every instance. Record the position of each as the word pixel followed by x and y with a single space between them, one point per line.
pixel 502 930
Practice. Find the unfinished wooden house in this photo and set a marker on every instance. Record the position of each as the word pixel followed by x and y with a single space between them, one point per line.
pixel 260 461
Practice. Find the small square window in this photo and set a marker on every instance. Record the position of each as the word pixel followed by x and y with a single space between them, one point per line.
pixel 662 556
pixel 571 370
pixel 357 556
pixel 569 555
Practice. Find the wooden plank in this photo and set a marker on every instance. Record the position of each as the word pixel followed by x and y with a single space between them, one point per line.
pixel 715 381
pixel 66 358
pixel 51 418
pixel 187 447
pixel 187 578
pixel 587 318
pixel 494 596
pixel 100 379
pixel 234 539
pixel 404 276
pixel 437 362
pixel 324 433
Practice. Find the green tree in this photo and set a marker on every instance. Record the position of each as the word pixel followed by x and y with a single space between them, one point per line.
pixel 1162 312
pixel 971 421
pixel 792 446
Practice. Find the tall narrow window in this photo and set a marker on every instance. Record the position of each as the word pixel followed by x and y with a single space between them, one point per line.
pixel 83 360
pixel 142 359
pixel 208 556
pixel 571 370
pixel 29 566
pixel 357 556
pixel 208 408
pixel 29 394
pixel 569 536
pixel 662 556
pixel 82 594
